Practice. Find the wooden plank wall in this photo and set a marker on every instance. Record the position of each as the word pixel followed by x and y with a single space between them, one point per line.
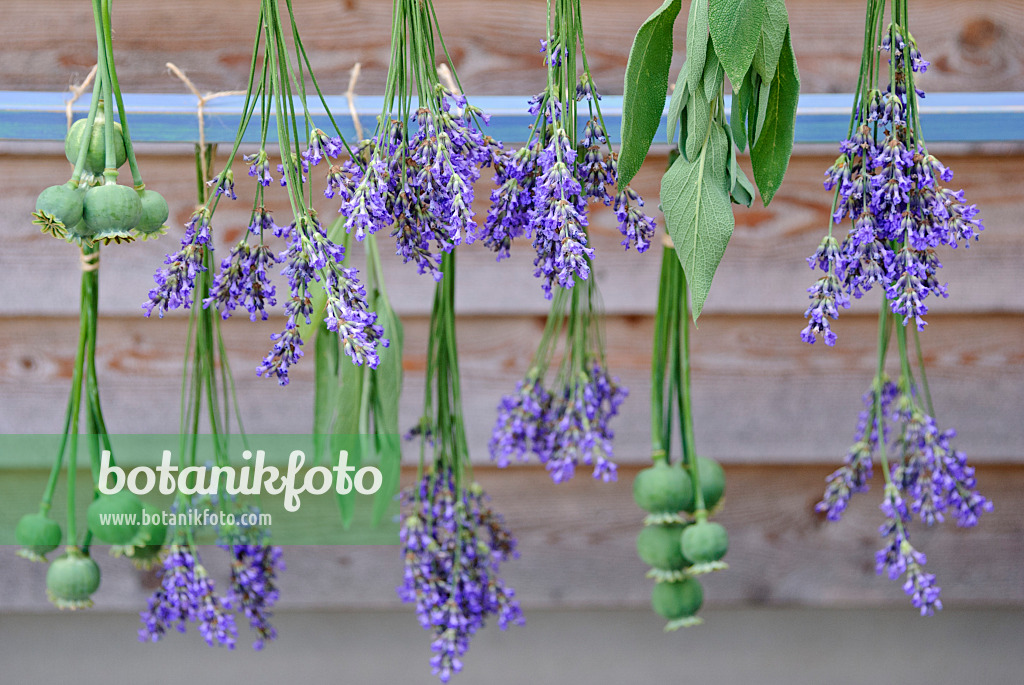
pixel 778 413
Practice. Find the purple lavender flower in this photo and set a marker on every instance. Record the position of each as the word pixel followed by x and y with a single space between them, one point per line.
pixel 312 256
pixel 558 219
pixel 175 283
pixel 522 422
pixel 244 281
pixel 854 475
pixel 636 227
pixel 511 200
pixel 454 544
pixel 224 184
pixel 253 588
pixel 186 595
pixel 321 146
pixel 563 431
pixel 901 214
pixel 259 167
pixel 927 478
pixel 899 557
pixel 542 192
pixel 421 184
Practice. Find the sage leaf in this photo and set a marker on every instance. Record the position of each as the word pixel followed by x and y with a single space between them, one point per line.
pixel 697 38
pixel 347 434
pixel 643 94
pixel 714 77
pixel 677 103
pixel 770 154
pixel 738 113
pixel 386 393
pixel 698 119
pixel 742 189
pixel 698 213
pixel 763 96
pixel 389 448
pixel 735 31
pixel 325 390
pixel 769 45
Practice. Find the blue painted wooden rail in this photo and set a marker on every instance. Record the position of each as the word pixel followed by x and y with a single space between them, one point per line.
pixel 163 118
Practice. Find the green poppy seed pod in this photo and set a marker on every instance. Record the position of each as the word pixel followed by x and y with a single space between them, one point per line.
pixel 115 519
pixel 72 579
pixel 154 212
pixel 712 482
pixel 704 542
pixel 677 599
pixel 663 489
pixel 112 208
pixel 659 547
pixel 96 155
pixel 63 203
pixel 38 535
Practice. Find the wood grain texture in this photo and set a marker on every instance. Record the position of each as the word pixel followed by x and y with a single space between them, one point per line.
pixel 577 550
pixel 761 395
pixel 973 46
pixel 764 269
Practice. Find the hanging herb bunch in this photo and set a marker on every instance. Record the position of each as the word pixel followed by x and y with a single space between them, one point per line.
pixel 276 84
pixel 417 171
pixel 748 41
pixel 187 593
pixel 91 210
pixel 892 189
pixel 453 541
pixel 543 190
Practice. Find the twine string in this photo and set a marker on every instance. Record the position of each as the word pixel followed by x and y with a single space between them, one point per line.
pixel 76 93
pixel 201 101
pixel 445 74
pixel 90 261
pixel 350 95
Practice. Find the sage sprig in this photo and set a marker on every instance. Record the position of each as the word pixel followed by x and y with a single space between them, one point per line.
pixel 748 41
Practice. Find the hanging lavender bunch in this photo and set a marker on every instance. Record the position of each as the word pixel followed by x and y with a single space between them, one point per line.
pixel 543 191
pixel 422 161
pixel 453 542
pixel 891 188
pixel 313 254
pixel 569 426
pixel 886 181
pixel 187 595
pixel 544 187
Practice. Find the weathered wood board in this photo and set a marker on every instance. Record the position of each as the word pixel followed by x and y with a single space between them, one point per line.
pixel 973 46
pixel 577 549
pixel 760 394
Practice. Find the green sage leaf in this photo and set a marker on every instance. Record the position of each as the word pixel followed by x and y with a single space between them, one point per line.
pixel 735 32
pixel 697 37
pixel 698 212
pixel 387 392
pixel 347 434
pixel 742 189
pixel 325 390
pixel 770 154
pixel 698 119
pixel 677 103
pixel 714 76
pixel 763 96
pixel 643 94
pixel 769 45
pixel 738 113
